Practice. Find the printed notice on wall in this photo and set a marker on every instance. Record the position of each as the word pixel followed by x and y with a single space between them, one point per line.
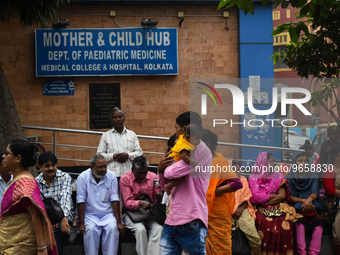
pixel 103 97
pixel 106 52
pixel 58 88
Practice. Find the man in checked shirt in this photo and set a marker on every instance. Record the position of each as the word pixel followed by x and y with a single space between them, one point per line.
pixel 57 184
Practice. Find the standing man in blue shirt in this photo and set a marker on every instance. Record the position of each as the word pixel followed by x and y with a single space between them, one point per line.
pixel 98 207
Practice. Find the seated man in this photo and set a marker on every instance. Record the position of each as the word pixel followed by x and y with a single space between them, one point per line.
pixel 98 208
pixel 132 185
pixel 56 184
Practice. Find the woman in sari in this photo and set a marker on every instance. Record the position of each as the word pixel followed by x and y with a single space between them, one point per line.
pixel 331 182
pixel 269 189
pixel 220 200
pixel 244 214
pixel 312 156
pixel 303 194
pixel 24 224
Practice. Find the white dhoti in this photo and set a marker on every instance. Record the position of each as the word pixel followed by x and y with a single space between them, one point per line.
pixel 110 235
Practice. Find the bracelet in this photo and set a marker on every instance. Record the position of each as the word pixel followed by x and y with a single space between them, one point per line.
pixel 41 247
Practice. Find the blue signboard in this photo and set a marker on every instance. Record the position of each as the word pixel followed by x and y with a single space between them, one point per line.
pixel 58 88
pixel 95 52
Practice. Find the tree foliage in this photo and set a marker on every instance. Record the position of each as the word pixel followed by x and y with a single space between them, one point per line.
pixel 310 53
pixel 31 12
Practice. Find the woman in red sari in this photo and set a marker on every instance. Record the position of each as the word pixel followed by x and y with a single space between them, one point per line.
pixel 24 224
pixel 270 191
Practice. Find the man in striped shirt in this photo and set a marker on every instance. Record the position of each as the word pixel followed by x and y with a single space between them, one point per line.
pixel 119 145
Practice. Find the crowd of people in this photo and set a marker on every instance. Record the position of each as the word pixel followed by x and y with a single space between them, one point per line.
pixel 221 212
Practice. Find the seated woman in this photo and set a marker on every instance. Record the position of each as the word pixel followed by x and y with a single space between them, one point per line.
pixel 312 156
pixel 220 200
pixel 269 189
pixel 24 224
pixel 331 182
pixel 303 194
pixel 244 213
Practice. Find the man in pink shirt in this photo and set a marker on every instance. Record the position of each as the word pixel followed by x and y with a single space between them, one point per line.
pixel 133 184
pixel 186 226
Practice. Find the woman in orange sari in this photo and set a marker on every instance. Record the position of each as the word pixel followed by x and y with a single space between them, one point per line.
pixel 220 199
pixel 24 224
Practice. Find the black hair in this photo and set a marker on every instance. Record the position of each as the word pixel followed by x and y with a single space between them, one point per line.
pixel 210 138
pixel 139 162
pixel 46 157
pixel 189 117
pixel 236 162
pixel 1 158
pixel 307 147
pixel 194 131
pixel 115 109
pixel 301 154
pixel 26 150
pixel 172 140
pixel 335 150
pixel 307 142
pixel 269 155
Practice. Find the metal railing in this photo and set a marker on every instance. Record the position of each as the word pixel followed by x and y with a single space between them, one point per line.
pixel 55 142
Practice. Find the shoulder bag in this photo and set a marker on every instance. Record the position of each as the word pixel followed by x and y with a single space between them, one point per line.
pixel 330 205
pixel 140 214
pixel 53 209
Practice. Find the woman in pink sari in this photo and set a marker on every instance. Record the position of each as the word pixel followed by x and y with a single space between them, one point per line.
pixel 24 224
pixel 270 191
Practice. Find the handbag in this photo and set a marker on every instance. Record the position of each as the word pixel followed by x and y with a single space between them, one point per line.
pixel 140 214
pixel 158 212
pixel 239 242
pixel 330 205
pixel 53 209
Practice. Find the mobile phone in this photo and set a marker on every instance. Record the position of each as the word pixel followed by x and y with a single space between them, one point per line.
pixel 156 183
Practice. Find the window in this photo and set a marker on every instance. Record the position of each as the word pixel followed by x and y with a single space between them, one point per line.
pixel 279 64
pixel 288 13
pixel 280 41
pixel 276 15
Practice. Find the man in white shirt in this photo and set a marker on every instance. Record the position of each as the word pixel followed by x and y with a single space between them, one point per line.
pixel 98 208
pixel 119 145
pixel 5 178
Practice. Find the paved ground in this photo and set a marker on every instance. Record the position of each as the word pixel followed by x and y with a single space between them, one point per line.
pixel 129 248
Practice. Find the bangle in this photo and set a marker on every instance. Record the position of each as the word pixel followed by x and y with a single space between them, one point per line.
pixel 41 247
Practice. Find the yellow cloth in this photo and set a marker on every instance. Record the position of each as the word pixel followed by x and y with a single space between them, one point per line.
pixel 291 214
pixel 246 223
pixel 220 211
pixel 17 236
pixel 17 229
pixel 181 144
